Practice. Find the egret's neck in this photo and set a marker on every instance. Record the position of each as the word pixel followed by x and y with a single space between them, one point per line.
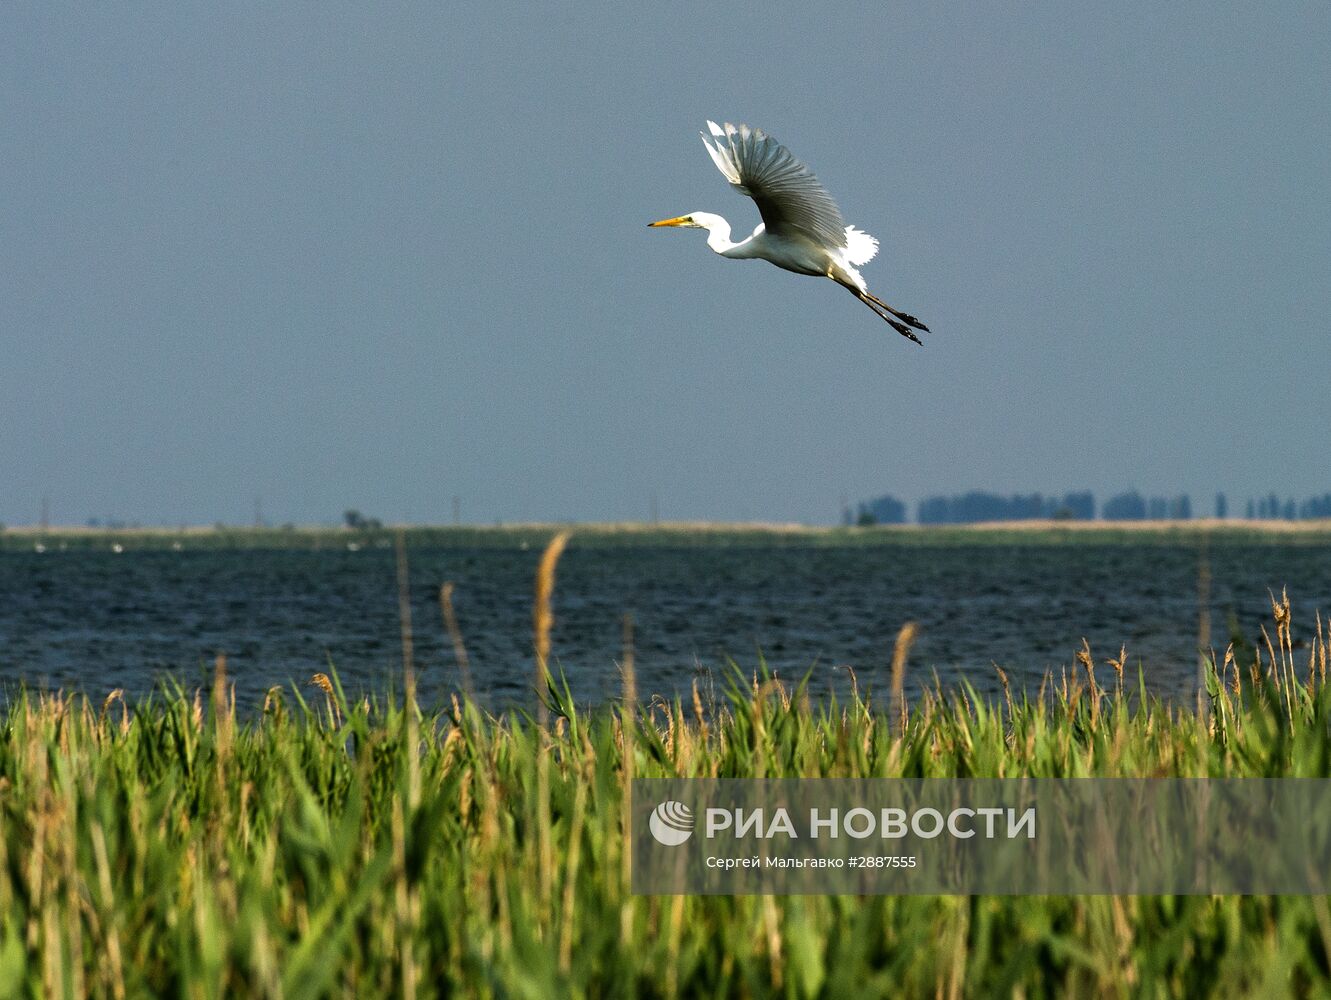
pixel 718 232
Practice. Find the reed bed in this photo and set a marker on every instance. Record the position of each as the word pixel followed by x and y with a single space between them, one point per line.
pixel 334 847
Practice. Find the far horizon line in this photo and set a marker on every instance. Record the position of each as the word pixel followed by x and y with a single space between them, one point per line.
pixel 1301 525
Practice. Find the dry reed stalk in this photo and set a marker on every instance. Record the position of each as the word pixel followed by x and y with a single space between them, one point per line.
pixel 1288 616
pixel 455 636
pixel 1086 660
pixel 543 618
pixel 1203 621
pixel 956 975
pixel 272 700
pixel 246 793
pixel 403 909
pixel 772 925
pixel 410 719
pixel 1321 651
pixel 966 705
pixel 1078 688
pixel 571 872
pixel 685 743
pixel 265 963
pixel 629 677
pixel 7 882
pixel 1007 692
pixel 70 876
pixel 404 612
pixel 487 852
pixel 504 907
pixel 1255 668
pixel 410 723
pixel 35 871
pixel 905 638
pixel 53 979
pixel 628 729
pixel 670 735
pixel 1284 618
pixel 118 694
pixel 773 687
pixel 1123 932
pixel 698 714
pixel 1282 666
pixel 854 684
pixel 1118 666
pixel 542 621
pixel 322 682
pixel 675 933
pixel 1236 686
pixel 111 934
pixel 223 720
pixel 1275 661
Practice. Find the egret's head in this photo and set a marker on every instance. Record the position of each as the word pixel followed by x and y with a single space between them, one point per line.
pixel 693 221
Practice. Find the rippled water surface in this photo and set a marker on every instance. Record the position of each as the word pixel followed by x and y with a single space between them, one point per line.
pixel 98 620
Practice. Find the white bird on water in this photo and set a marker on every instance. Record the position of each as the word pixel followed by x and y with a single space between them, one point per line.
pixel 802 229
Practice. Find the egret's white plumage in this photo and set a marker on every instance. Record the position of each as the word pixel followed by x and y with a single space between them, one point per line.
pixel 802 228
pixel 860 247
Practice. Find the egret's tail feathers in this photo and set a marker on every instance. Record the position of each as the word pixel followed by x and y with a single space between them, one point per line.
pixel 860 247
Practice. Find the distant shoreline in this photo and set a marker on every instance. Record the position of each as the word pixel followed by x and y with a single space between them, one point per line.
pixel 1028 524
pixel 1033 532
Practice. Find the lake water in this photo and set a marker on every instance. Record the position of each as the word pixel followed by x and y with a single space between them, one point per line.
pixel 98 620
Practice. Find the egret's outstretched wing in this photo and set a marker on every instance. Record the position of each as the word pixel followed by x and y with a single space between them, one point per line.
pixel 787 193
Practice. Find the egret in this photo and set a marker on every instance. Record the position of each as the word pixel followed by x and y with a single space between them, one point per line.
pixel 802 229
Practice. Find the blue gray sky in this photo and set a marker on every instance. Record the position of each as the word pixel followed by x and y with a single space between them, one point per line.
pixel 341 257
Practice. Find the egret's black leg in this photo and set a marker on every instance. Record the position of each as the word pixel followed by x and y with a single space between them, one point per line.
pixel 874 304
pixel 906 318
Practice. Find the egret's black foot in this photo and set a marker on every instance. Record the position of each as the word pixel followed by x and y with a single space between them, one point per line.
pixel 903 330
pixel 910 321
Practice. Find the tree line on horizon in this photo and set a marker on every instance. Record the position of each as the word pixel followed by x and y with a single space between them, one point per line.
pixel 978 505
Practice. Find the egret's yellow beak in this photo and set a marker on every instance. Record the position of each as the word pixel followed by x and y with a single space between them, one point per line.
pixel 680 221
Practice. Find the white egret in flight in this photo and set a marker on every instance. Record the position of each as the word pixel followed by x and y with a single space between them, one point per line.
pixel 802 229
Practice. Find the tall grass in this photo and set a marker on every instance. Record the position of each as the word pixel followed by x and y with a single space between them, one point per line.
pixel 338 848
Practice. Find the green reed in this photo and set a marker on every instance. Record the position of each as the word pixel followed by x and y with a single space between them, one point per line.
pixel 329 847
